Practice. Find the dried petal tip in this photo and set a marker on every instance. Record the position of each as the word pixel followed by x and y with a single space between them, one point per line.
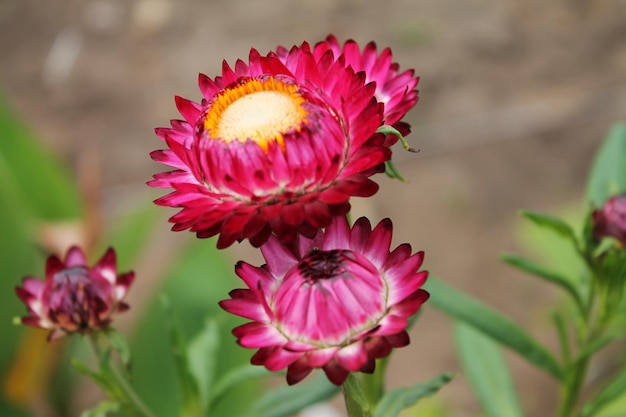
pixel 337 301
pixel 610 220
pixel 75 297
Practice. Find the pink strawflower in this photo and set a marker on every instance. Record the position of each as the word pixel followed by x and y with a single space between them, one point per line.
pixel 278 145
pixel 395 89
pixel 75 297
pixel 337 301
pixel 610 220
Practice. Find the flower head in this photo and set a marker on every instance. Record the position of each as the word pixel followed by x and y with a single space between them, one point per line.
pixel 75 297
pixel 279 144
pixel 610 220
pixel 395 89
pixel 337 301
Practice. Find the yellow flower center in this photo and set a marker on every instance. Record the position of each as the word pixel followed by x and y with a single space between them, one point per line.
pixel 261 111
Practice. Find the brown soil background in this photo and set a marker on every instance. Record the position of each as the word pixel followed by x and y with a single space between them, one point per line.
pixel 514 99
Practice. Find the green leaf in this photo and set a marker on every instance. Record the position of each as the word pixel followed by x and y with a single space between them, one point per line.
pixel 533 268
pixel 102 410
pixel 563 333
pixel 396 400
pixel 43 184
pixel 553 223
pixel 192 404
pixel 487 372
pixel 120 345
pixel 611 392
pixel 233 378
pixel 494 324
pixel 392 172
pixel 196 276
pixel 287 400
pixel 596 345
pixel 202 354
pixel 104 377
pixel 608 172
pixel 132 234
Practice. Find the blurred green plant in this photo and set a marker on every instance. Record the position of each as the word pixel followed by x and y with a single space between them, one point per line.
pixel 591 275
pixel 35 189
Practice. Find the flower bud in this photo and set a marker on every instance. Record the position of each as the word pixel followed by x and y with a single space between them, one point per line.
pixel 75 297
pixel 610 220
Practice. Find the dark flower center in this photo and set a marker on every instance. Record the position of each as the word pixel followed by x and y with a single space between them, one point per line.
pixel 76 296
pixel 323 265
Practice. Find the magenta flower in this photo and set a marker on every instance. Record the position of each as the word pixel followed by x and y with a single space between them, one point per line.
pixel 75 297
pixel 337 301
pixel 278 145
pixel 395 89
pixel 610 220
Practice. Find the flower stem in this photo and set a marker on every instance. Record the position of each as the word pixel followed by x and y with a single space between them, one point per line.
pixel 124 392
pixel 373 385
pixel 572 388
pixel 357 404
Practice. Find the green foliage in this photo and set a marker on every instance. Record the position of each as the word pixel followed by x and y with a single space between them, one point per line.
pixel 566 283
pixel 396 400
pixel 197 279
pixel 494 324
pixel 287 400
pixel 609 393
pixel 202 358
pixel 488 372
pixel 34 188
pixel 190 394
pixel 233 378
pixel 39 184
pixel 554 224
pixel 120 345
pixel 102 410
pixel 608 171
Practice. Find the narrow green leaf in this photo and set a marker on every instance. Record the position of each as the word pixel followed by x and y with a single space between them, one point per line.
pixel 611 392
pixel 392 172
pixel 553 223
pixel 396 400
pixel 104 378
pixel 597 345
pixel 102 410
pixel 533 268
pixel 287 400
pixel 202 354
pixel 197 278
pixel 43 183
pixel 192 405
pixel 83 369
pixel 564 339
pixel 235 377
pixel 130 234
pixel 487 372
pixel 608 172
pixel 120 344
pixel 494 324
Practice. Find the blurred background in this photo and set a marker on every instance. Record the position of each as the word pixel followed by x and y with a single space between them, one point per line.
pixel 515 98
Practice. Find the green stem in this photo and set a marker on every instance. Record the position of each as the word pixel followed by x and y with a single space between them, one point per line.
pixel 129 397
pixel 373 385
pixel 357 404
pixel 592 328
pixel 571 390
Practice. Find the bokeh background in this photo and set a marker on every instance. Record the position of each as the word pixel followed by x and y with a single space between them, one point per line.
pixel 515 98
